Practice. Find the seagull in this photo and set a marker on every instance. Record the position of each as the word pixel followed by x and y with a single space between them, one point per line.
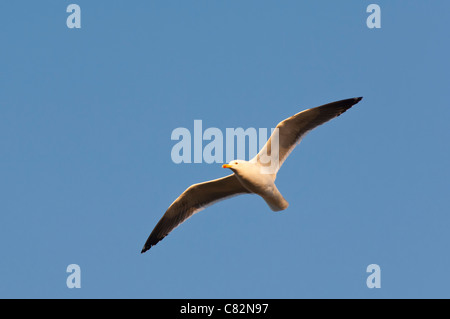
pixel 249 177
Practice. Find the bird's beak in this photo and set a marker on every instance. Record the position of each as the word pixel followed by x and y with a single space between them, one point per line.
pixel 226 166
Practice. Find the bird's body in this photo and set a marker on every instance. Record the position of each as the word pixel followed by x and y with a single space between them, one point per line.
pixel 252 176
pixel 256 176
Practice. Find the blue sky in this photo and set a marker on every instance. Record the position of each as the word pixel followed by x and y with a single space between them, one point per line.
pixel 86 117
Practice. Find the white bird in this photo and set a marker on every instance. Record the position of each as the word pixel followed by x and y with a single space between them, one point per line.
pixel 248 177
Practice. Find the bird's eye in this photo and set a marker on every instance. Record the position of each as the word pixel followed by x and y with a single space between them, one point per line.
pixel 236 163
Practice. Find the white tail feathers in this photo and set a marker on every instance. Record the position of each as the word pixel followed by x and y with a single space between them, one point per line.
pixel 275 200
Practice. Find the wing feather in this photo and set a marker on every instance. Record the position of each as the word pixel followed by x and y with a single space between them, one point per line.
pixel 293 129
pixel 191 201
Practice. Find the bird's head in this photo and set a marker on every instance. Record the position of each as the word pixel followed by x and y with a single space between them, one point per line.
pixel 236 165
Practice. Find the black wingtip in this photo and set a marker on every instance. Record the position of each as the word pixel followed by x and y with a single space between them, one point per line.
pixel 357 99
pixel 145 249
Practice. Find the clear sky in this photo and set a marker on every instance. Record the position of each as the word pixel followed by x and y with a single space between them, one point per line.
pixel 86 117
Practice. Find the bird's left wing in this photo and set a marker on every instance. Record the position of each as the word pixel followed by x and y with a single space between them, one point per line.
pixel 191 201
pixel 290 131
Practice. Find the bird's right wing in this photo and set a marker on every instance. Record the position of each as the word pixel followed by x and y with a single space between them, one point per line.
pixel 191 201
pixel 293 129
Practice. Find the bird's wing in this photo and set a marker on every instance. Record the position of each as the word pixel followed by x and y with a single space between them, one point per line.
pixel 191 201
pixel 293 129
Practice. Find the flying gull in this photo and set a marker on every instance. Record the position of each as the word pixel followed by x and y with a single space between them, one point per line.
pixel 249 177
